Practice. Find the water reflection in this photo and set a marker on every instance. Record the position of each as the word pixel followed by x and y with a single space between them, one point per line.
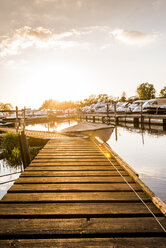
pixel 5 169
pixel 152 129
pixel 103 134
pixel 145 151
pixel 51 126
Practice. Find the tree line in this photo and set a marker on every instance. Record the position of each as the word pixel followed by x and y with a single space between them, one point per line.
pixel 144 91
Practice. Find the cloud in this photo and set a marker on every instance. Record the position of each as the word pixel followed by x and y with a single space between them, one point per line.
pixel 10 62
pixel 63 3
pixel 100 36
pixel 39 37
pixel 130 37
pixel 45 1
pixel 158 3
pixel 38 33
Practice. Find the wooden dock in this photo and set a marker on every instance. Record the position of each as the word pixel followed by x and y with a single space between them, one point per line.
pixel 36 134
pixel 75 193
pixel 137 119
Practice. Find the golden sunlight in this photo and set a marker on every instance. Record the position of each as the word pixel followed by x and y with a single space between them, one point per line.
pixel 62 82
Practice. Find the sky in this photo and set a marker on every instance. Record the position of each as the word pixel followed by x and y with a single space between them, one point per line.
pixel 70 49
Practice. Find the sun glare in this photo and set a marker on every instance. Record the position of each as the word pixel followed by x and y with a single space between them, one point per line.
pixel 60 82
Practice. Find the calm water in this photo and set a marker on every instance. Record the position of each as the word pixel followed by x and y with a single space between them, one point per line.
pixel 144 151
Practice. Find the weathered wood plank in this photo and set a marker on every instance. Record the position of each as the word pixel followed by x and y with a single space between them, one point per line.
pixel 71 145
pixel 70 156
pixel 67 150
pixel 150 242
pixel 124 242
pixel 74 187
pixel 94 226
pixel 71 151
pixel 72 168
pixel 71 173
pixel 70 160
pixel 73 179
pixel 73 163
pixel 73 197
pixel 78 209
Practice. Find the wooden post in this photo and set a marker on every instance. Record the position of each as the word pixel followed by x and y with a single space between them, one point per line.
pixel 107 109
pixel 24 119
pixel 17 123
pixel 24 149
pixel 136 122
pixel 115 109
pixel 115 116
pixel 142 119
pixel 48 126
pixel 115 119
pixel 116 133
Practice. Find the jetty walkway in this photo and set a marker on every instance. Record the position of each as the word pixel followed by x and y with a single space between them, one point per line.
pixel 76 193
pixel 35 133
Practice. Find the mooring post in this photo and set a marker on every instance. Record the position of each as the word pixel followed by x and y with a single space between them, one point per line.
pixel 16 123
pixel 115 116
pixel 108 118
pixel 116 133
pixel 142 118
pixel 24 149
pixel 24 119
pixel 107 109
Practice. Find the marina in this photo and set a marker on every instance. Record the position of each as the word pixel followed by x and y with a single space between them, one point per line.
pixel 83 124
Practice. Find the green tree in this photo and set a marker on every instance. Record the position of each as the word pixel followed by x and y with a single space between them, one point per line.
pixel 56 105
pixel 123 97
pixel 49 104
pixel 94 99
pixel 11 148
pixel 146 91
pixel 163 92
pixel 6 106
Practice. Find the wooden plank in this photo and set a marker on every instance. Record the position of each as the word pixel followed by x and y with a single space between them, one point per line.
pixel 94 226
pixel 71 168
pixel 71 173
pixel 80 142
pixel 124 242
pixel 71 160
pixel 78 209
pixel 64 152
pixel 73 179
pixel 74 187
pixel 69 156
pixel 72 146
pixel 60 145
pixel 81 150
pixel 74 197
pixel 69 147
pixel 73 163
